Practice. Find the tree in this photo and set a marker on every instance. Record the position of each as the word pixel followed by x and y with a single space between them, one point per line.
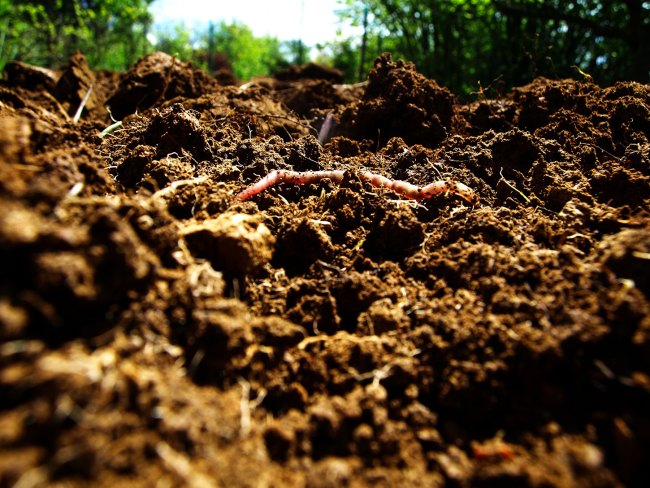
pixel 296 51
pixel 601 36
pixel 178 41
pixel 463 42
pixel 250 56
pixel 112 33
pixel 343 56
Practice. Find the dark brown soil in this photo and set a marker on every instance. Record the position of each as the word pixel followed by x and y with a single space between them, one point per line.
pixel 154 329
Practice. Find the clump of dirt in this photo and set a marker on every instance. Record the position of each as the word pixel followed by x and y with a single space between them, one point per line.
pixel 399 101
pixel 156 78
pixel 156 328
pixel 313 71
pixel 78 85
pixel 240 244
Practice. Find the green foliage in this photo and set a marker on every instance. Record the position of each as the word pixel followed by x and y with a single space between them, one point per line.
pixel 112 33
pixel 247 55
pixel 250 56
pixel 461 43
pixel 176 40
pixel 296 51
pixel 464 44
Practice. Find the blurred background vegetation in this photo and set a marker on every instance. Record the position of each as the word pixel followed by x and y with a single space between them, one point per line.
pixel 465 45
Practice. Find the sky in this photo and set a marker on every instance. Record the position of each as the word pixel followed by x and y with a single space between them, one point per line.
pixel 284 19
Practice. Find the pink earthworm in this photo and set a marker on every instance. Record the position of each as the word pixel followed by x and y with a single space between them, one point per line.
pixel 403 188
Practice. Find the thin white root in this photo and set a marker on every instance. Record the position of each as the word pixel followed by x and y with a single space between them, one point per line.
pixel 83 103
pixel 179 464
pixel 246 405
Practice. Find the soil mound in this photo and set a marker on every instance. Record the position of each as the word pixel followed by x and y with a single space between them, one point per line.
pixel 156 328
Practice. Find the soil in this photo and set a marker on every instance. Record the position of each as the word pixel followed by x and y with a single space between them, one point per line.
pixel 155 329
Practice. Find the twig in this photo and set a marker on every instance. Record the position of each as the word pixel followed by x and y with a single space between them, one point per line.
pixel 512 187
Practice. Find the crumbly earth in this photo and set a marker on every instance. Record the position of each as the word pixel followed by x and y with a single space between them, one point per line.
pixel 154 329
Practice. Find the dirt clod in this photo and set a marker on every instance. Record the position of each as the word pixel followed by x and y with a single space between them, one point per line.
pixel 238 244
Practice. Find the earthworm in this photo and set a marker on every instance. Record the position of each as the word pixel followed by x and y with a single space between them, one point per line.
pixel 403 188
